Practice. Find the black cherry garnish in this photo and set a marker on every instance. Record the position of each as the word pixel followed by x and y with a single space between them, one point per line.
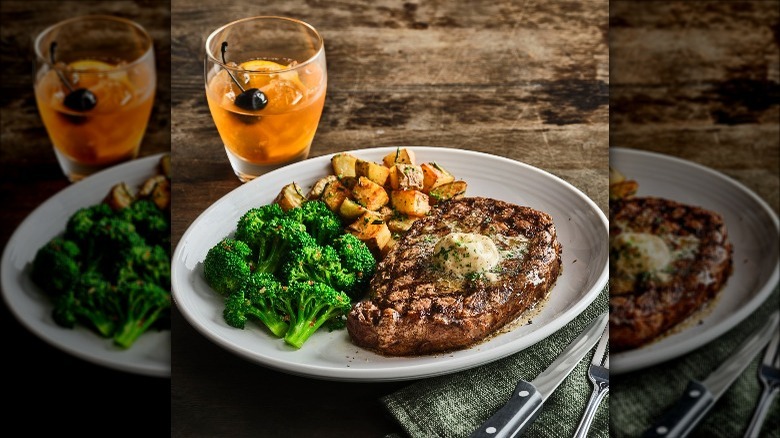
pixel 79 99
pixel 251 99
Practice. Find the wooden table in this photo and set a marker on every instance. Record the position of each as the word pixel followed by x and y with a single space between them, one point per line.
pixel 523 80
pixel 700 81
pixel 70 394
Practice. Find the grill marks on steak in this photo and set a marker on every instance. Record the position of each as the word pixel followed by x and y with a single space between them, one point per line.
pixel 646 306
pixel 415 308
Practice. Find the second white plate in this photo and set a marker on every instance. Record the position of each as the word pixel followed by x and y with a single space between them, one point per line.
pixel 582 230
pixel 151 354
pixel 752 228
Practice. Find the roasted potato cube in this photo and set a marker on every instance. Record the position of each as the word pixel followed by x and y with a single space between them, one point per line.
pixel 334 195
pixel 165 165
pixel 343 165
pixel 290 196
pixel 373 171
pixel 434 176
pixel 410 202
pixel 161 195
pixel 351 210
pixel 400 156
pixel 400 223
pixel 148 186
pixel 369 194
pixel 619 186
pixel 406 177
pixel 372 231
pixel 623 189
pixel 615 176
pixel 119 197
pixel 319 187
pixel 453 190
pixel 158 190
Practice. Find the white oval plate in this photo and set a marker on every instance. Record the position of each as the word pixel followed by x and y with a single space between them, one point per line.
pixel 582 230
pixel 752 228
pixel 151 353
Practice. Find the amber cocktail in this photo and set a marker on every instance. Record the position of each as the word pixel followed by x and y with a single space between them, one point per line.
pixel 265 85
pixel 94 85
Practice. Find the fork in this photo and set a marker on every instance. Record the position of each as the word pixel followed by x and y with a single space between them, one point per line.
pixel 598 373
pixel 769 374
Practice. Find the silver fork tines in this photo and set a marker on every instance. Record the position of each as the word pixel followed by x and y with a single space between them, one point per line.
pixel 769 374
pixel 598 373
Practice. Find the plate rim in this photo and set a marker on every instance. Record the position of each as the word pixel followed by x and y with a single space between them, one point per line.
pixel 384 373
pixel 6 282
pixel 638 359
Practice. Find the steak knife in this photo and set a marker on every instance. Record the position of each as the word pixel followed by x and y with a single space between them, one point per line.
pixel 700 396
pixel 527 398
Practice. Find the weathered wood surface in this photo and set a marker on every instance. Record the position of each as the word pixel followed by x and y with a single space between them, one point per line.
pixel 700 80
pixel 45 378
pixel 526 80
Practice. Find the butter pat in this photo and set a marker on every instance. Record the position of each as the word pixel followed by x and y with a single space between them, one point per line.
pixel 461 254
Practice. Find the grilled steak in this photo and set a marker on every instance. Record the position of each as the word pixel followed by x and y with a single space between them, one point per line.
pixel 431 293
pixel 667 259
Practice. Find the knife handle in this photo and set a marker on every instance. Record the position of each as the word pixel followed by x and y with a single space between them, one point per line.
pixel 681 418
pixel 515 416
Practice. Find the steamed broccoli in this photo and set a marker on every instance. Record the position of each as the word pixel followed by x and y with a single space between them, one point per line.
pixel 320 264
pixel 274 241
pixel 92 302
pixel 149 221
pixel 56 268
pixel 109 271
pixel 357 258
pixel 147 263
pixel 321 223
pixel 257 298
pixel 80 223
pixel 254 221
pixel 309 305
pixel 227 265
pixel 142 304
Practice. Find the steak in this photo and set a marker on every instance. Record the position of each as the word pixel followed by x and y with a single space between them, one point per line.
pixel 417 304
pixel 667 260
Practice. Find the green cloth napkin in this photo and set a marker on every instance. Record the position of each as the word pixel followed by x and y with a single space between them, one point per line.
pixel 639 398
pixel 454 405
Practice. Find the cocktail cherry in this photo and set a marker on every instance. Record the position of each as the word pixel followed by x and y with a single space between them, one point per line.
pixel 79 99
pixel 251 99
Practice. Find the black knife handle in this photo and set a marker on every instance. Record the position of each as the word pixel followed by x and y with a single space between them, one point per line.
pixel 515 416
pixel 681 418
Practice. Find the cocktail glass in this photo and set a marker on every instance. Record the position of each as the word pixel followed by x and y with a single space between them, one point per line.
pixel 95 83
pixel 265 84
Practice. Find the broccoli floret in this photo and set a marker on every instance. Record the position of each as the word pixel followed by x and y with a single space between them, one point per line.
pixel 111 237
pixel 320 264
pixel 79 226
pixel 147 263
pixel 357 258
pixel 56 267
pixel 321 223
pixel 227 265
pixel 309 305
pixel 142 304
pixel 149 221
pixel 254 221
pixel 257 298
pixel 92 302
pixel 275 241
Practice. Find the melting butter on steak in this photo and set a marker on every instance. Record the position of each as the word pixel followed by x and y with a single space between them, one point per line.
pixel 457 276
pixel 667 260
